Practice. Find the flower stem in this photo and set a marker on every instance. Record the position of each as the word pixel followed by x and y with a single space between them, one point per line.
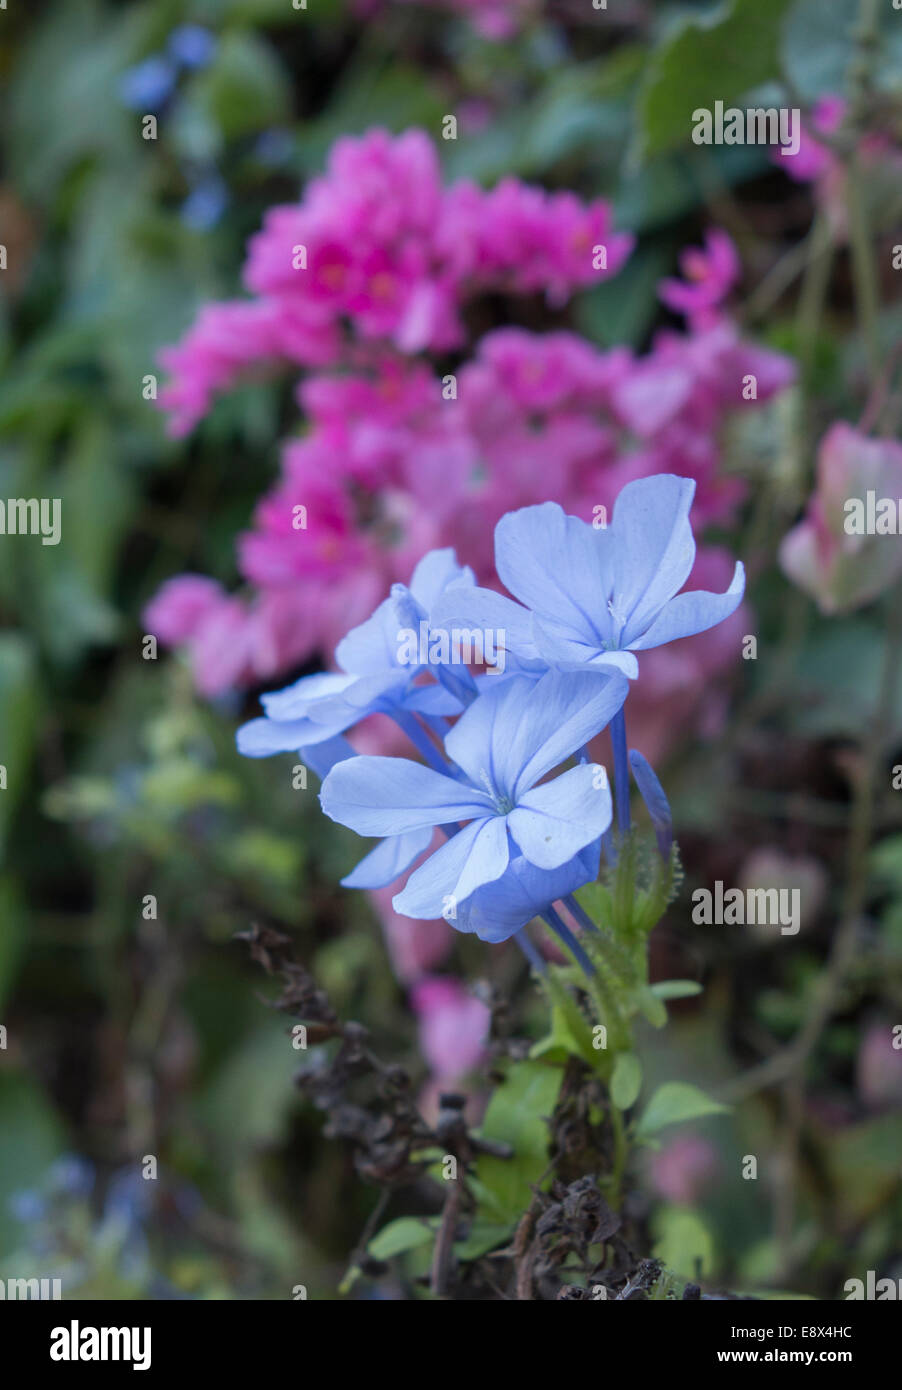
pixel 531 952
pixel 420 739
pixel 565 935
pixel 621 772
pixel 579 913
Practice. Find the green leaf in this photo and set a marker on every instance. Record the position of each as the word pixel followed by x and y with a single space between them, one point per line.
pixel 652 1007
pixel 17 713
pixel 626 1080
pixel 517 1116
pixel 30 1139
pixel 406 1233
pixel 596 899
pixel 559 1043
pixel 716 57
pixel 863 1163
pixel 484 1236
pixel 684 1242
pixel 620 310
pixel 674 1102
pixel 676 989
pixel 12 937
pixel 245 88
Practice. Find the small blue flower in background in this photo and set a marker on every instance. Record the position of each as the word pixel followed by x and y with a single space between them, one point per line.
pixel 372 680
pixel 205 204
pixel 274 148
pixel 595 597
pixel 502 746
pixel 192 45
pixel 148 86
pixel 27 1206
pixel 72 1175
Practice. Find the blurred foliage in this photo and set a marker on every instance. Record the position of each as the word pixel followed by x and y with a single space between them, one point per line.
pixel 129 1034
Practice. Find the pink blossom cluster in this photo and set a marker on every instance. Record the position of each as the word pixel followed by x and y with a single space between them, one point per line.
pixel 493 19
pixel 397 462
pixel 380 254
pixel 818 163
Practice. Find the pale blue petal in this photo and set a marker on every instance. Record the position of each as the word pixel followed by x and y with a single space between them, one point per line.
pixel 564 654
pixel 693 612
pixel 497 910
pixel 371 647
pixel 434 573
pixel 567 709
pixel 523 728
pixel 391 796
pixel 653 549
pixel 553 822
pixel 485 611
pixel 322 757
pixel 380 691
pixel 434 888
pixel 558 566
pixel 261 738
pixel 389 859
pixel 296 701
pixel 431 699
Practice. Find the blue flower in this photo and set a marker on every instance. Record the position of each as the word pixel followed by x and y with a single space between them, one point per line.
pixel 498 910
pixel 26 1206
pixel 148 85
pixel 391 856
pixel 502 746
pixel 373 678
pixel 205 204
pixel 274 147
pixel 192 45
pixel 595 597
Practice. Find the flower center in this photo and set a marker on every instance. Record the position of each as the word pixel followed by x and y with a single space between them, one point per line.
pixel 503 804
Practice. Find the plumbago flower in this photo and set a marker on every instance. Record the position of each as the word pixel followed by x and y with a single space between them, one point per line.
pixel 596 596
pixel 515 843
pixel 373 678
pixel 503 745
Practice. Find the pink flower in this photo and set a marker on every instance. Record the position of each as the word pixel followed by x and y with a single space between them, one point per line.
pixel 709 274
pixel 684 1169
pixel 813 159
pixel 879 1068
pixel 178 609
pixel 493 19
pixel 379 252
pixel 454 1026
pixel 829 553
pixel 878 153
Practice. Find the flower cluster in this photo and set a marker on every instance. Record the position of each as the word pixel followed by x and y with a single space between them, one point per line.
pixel 817 161
pixel 563 650
pixel 391 467
pixel 493 19
pixel 380 253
